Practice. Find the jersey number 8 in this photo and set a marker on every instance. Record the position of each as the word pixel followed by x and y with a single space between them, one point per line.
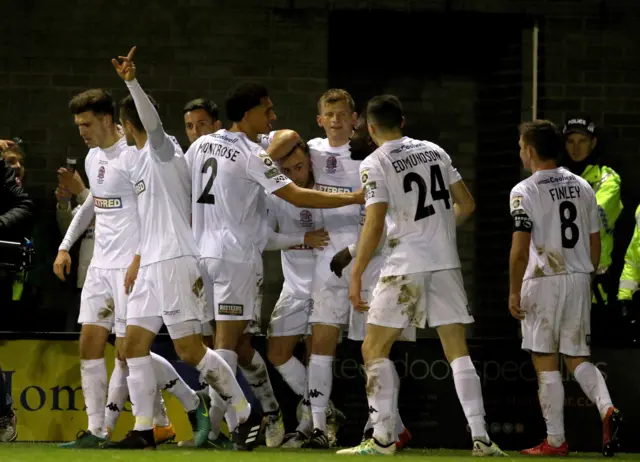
pixel 438 191
pixel 567 223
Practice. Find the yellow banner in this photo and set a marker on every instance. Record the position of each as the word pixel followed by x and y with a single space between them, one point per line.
pixel 44 379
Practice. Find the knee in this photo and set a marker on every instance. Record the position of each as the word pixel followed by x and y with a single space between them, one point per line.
pixel 91 347
pixel 277 356
pixel 324 340
pixel 191 352
pixel 134 348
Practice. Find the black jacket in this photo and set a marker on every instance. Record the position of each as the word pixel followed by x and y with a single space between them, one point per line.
pixel 16 209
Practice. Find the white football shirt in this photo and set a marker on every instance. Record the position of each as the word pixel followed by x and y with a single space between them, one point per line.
pixel 298 262
pixel 335 171
pixel 230 174
pixel 413 178
pixel 561 211
pixel 163 190
pixel 117 229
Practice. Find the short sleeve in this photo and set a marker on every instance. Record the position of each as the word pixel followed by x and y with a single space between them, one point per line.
pixel 265 140
pixel 263 170
pixel 595 224
pixel 452 172
pixel 519 210
pixel 373 182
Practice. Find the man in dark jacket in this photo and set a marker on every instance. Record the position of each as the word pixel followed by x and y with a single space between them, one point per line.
pixel 16 219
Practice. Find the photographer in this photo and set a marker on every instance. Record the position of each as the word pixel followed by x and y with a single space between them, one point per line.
pixel 16 220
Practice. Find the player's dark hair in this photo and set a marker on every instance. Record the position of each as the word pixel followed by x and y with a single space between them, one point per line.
pixel 336 95
pixel 242 98
pixel 129 112
pixel 361 143
pixel 206 105
pixel 385 111
pixel 97 100
pixel 544 137
pixel 301 144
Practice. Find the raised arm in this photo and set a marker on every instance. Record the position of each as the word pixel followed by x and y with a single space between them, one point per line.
pixel 149 117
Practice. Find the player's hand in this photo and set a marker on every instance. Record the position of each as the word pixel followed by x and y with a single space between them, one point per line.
pixel 6 144
pixel 62 265
pixel 514 307
pixel 63 195
pixel 71 181
pixel 340 261
pixel 132 274
pixel 124 66
pixel 354 295
pixel 316 239
pixel 359 196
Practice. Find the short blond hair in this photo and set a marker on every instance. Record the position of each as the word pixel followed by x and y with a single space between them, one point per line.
pixel 336 95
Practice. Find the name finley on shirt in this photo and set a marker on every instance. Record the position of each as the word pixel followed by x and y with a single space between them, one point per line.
pixel 415 159
pixel 110 203
pixel 564 192
pixel 219 150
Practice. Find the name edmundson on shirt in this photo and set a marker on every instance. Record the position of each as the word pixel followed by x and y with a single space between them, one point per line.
pixel 415 159
pixel 107 203
pixel 218 150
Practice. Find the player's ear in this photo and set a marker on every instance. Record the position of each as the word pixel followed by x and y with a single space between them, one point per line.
pixel 217 125
pixel 402 123
pixel 319 120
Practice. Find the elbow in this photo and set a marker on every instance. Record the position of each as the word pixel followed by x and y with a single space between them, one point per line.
pixel 469 208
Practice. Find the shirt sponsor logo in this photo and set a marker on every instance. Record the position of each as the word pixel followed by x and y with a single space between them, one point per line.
pixel 101 172
pixel 332 165
pixel 107 203
pixel 333 189
pixel 306 219
pixel 140 187
pixel 230 309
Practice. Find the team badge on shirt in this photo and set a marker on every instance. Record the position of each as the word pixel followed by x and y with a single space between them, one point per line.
pixel 266 159
pixel 516 201
pixel 306 219
pixel 332 165
pixel 365 176
pixel 101 171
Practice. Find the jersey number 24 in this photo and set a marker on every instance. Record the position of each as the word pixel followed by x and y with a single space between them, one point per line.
pixel 438 191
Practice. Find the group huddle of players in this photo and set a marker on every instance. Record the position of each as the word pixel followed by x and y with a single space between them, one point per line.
pixel 366 221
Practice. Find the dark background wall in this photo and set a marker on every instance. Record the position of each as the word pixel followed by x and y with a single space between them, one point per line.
pixel 468 96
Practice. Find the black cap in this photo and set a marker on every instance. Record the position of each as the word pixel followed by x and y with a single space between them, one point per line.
pixel 579 124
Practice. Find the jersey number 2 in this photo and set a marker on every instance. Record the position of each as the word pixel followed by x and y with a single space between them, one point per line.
pixel 567 223
pixel 205 197
pixel 438 191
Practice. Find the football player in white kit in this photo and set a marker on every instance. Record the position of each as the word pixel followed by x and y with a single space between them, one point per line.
pixel 554 253
pixel 409 184
pixel 230 173
pixel 167 285
pixel 334 170
pixel 201 117
pixel 361 146
pixel 104 301
pixel 290 317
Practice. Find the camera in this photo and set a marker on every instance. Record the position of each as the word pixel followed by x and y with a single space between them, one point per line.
pixel 16 256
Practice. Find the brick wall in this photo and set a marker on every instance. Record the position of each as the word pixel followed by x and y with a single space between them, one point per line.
pixel 53 49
